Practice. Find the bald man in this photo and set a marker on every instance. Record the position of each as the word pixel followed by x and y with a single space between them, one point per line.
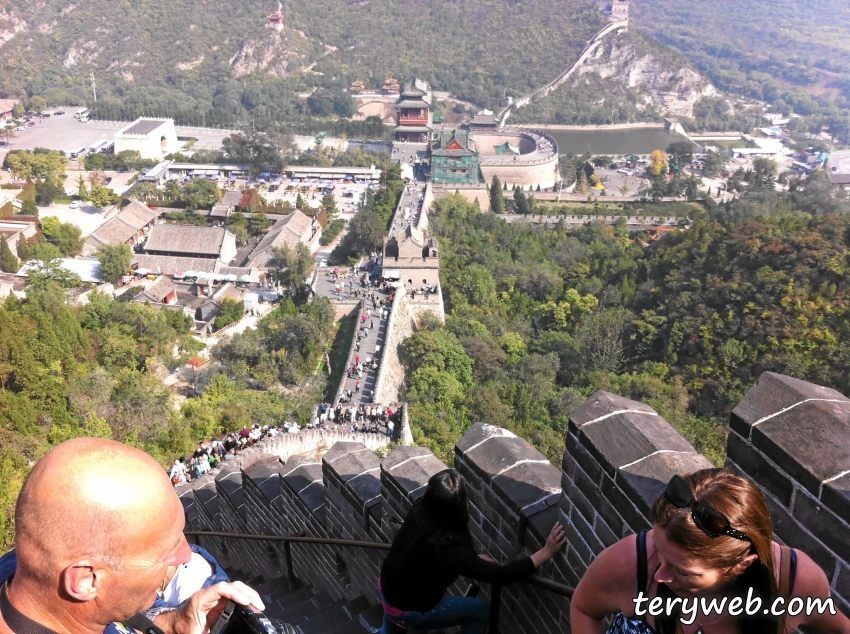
pixel 97 526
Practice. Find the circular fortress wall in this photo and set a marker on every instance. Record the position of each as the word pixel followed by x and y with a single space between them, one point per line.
pixel 535 165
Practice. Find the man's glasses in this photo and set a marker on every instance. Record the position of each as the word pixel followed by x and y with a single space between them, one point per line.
pixel 707 518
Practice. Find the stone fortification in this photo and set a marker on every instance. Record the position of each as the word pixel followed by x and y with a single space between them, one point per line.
pixel 391 373
pixel 790 436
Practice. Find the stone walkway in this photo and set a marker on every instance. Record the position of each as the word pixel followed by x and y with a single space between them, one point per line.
pixel 371 346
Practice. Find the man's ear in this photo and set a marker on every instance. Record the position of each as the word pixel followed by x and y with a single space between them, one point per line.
pixel 82 580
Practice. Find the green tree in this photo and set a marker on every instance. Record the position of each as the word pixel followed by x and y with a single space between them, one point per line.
pixel 101 196
pixel 200 193
pixel 329 205
pixel 497 199
pixel 36 164
pixel 44 272
pixel 520 201
pixel 291 268
pixel 114 261
pixel 38 104
pixel 229 311
pixel 681 152
pixel 259 223
pixel 299 202
pixel 66 236
pixel 764 172
pixel 715 163
pixel 82 190
pixel 8 261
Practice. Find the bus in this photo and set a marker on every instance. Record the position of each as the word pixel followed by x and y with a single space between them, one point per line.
pixel 82 114
pixel 98 147
pixel 109 148
pixel 76 155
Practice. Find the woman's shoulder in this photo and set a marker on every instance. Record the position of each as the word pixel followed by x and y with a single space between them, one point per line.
pixel 610 583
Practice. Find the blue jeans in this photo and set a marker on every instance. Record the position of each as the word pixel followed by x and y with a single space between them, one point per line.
pixel 471 613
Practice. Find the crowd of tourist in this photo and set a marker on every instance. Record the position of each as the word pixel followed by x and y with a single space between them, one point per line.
pixel 209 455
pixel 372 418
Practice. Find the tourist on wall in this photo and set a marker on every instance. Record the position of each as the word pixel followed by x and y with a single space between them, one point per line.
pixel 711 538
pixel 434 547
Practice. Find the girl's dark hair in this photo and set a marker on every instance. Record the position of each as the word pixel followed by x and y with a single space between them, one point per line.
pixel 444 508
pixel 744 506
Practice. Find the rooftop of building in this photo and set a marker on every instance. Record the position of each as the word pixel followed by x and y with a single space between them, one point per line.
pixel 186 239
pixel 144 126
pixel 454 143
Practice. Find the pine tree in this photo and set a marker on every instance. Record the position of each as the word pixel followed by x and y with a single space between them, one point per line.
pixel 8 261
pixel 497 200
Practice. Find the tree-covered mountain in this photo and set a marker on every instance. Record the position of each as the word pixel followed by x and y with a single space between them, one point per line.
pixel 790 53
pixel 200 54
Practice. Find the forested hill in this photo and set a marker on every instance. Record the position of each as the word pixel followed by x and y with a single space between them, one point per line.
pixel 196 54
pixel 539 319
pixel 766 49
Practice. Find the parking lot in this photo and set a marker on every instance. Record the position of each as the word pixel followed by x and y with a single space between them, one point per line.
pixel 66 133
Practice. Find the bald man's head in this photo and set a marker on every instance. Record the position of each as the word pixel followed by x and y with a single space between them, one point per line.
pixel 90 498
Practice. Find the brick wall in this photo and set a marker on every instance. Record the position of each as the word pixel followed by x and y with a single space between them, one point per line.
pixel 391 372
pixel 793 439
pixel 620 456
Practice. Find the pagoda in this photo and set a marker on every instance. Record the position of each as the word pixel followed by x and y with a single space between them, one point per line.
pixel 275 21
pixel 415 120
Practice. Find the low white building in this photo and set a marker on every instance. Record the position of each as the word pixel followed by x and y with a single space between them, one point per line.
pixel 152 138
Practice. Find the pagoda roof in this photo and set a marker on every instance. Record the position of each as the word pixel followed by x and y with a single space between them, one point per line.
pixel 407 102
pixel 416 87
pixel 453 143
pixel 412 128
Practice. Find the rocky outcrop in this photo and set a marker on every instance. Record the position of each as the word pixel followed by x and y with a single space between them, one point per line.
pixel 10 26
pixel 270 54
pixel 672 90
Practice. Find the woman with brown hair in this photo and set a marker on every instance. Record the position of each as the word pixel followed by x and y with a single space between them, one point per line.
pixel 711 544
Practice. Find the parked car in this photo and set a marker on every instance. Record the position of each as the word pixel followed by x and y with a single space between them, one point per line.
pixel 108 180
pixel 30 124
pixel 59 112
pixel 45 114
pixel 76 204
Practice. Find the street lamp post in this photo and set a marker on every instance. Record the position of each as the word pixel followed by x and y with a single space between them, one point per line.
pixel 725 189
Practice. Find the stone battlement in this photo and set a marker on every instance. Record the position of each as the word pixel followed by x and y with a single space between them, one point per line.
pixel 791 437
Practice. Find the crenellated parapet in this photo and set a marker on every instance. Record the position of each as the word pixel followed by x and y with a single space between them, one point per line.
pixel 791 437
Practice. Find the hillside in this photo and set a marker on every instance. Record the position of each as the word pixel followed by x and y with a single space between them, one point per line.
pixel 790 51
pixel 199 54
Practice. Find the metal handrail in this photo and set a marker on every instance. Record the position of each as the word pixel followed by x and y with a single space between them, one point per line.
pixel 495 589
pixel 533 580
pixel 295 538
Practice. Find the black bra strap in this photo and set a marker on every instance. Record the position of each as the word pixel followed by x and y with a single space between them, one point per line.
pixel 793 571
pixel 641 561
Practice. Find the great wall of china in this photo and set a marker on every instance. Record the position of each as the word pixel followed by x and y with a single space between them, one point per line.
pixel 788 435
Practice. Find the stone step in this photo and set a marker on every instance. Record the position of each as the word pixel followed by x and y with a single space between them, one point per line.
pixel 325 621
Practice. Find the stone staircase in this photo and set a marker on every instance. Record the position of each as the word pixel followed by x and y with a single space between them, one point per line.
pixel 309 610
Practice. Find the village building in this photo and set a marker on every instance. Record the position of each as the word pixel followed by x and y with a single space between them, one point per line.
pixel 412 258
pixel 158 174
pixel 454 158
pixel 391 86
pixel 87 269
pixel 15 231
pixel 151 138
pixel 484 120
pixel 415 121
pixel 6 108
pixel 185 240
pixel 287 232
pixel 162 291
pixel 129 226
pixel 229 201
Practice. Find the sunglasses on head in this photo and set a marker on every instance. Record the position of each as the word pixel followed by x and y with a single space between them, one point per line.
pixel 707 518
